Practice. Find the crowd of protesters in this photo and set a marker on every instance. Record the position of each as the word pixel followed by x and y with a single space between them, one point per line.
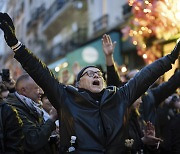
pixel 96 114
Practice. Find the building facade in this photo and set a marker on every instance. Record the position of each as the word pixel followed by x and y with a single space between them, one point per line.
pixel 58 29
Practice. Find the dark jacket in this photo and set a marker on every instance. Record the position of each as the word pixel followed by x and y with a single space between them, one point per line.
pixel 11 129
pixel 36 132
pixel 135 124
pixel 174 131
pixel 153 97
pixel 98 128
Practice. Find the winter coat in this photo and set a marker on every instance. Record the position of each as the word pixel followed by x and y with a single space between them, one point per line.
pixel 99 128
pixel 11 136
pixel 36 132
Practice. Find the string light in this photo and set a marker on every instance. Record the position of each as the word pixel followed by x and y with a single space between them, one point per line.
pixel 144 56
pixel 153 20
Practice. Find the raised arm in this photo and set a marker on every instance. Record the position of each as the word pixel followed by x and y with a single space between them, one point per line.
pixel 149 74
pixel 35 68
pixel 112 72
pixel 165 89
pixel 155 96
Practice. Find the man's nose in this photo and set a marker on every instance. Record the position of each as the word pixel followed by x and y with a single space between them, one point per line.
pixel 40 91
pixel 96 75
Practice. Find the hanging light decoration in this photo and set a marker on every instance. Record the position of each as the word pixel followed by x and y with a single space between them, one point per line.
pixel 152 20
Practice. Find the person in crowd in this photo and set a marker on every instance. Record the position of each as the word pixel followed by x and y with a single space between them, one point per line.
pixel 54 138
pixel 150 107
pixel 93 116
pixel 172 127
pixel 174 130
pixel 46 108
pixel 11 136
pixel 35 130
pixel 136 124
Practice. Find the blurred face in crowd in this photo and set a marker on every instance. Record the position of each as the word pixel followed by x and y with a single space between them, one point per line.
pixel 4 94
pixel 30 89
pixel 65 76
pixel 173 101
pixel 46 104
pixel 92 80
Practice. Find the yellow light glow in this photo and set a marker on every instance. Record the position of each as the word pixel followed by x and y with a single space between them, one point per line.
pixel 57 69
pixel 143 28
pixel 147 10
pixel 149 31
pixel 173 24
pixel 144 56
pixel 64 64
pixel 136 8
pixel 144 46
pixel 140 32
pixel 136 19
pixel 146 2
pixel 177 15
pixel 123 69
pixel 135 42
pixel 134 32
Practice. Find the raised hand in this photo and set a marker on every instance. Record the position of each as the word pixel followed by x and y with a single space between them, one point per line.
pixel 175 53
pixel 7 26
pixel 108 46
pixel 149 135
pixel 53 114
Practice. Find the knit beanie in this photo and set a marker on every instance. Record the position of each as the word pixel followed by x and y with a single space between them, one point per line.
pixel 81 72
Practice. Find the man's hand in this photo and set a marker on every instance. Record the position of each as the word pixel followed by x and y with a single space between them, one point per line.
pixel 175 53
pixel 108 46
pixel 7 26
pixel 53 114
pixel 149 135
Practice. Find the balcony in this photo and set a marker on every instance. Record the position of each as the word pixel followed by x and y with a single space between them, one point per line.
pixel 100 24
pixel 35 16
pixel 61 14
pixel 60 50
pixel 55 7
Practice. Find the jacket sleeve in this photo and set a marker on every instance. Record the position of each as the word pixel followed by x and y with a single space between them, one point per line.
pixel 165 89
pixel 12 130
pixel 113 78
pixel 153 97
pixel 41 75
pixel 145 78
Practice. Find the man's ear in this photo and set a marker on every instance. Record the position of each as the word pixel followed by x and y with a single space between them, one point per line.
pixel 23 91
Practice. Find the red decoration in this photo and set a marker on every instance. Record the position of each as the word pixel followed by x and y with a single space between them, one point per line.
pixel 152 20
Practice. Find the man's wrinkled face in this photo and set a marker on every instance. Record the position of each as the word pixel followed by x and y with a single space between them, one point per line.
pixel 4 94
pixel 32 90
pixel 92 80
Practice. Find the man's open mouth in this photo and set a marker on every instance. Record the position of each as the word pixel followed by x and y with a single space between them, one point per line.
pixel 96 83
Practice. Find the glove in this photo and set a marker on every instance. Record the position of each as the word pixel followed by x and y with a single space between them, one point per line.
pixel 175 53
pixel 7 26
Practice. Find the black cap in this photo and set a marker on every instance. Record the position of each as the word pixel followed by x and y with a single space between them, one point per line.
pixel 82 70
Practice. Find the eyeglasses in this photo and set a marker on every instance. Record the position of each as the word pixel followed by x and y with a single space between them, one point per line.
pixel 92 73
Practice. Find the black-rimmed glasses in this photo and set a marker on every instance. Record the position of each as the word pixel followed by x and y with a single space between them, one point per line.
pixel 92 73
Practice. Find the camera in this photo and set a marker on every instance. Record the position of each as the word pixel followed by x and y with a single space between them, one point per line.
pixel 5 75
